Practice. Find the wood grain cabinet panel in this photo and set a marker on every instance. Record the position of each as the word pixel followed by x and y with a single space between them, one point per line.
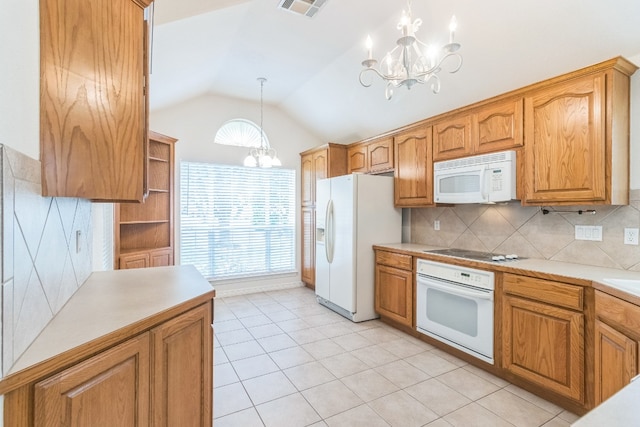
pixel 110 389
pixel 394 294
pixel 499 126
pixel 92 99
pixel 565 142
pixel 452 138
pixel 357 159
pixel 413 172
pixel 545 345
pixel 140 260
pixel 373 157
pixel 617 337
pixel 323 162
pixel 182 379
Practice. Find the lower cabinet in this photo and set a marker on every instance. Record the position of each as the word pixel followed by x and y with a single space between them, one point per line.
pixel 543 329
pixel 162 377
pixel 617 335
pixel 394 294
pixel 152 258
pixel 110 389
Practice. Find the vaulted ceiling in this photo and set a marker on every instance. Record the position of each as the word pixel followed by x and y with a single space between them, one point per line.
pixel 312 64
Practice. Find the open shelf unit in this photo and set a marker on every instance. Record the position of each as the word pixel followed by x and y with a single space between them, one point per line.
pixel 144 232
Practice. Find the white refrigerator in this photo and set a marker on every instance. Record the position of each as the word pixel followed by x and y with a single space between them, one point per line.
pixel 353 212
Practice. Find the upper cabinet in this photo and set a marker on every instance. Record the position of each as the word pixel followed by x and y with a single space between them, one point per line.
pixel 576 130
pixel 374 156
pixel 92 99
pixel 492 127
pixel 413 174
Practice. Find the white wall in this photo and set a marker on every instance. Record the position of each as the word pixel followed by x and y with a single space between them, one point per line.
pixel 195 123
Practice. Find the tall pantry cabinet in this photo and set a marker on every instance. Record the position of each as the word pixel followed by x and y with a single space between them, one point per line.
pixel 144 232
pixel 325 161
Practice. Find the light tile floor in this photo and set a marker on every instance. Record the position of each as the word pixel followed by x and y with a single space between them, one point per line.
pixel 283 360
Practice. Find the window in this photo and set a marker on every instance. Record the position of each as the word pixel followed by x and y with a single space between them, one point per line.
pixel 241 133
pixel 237 221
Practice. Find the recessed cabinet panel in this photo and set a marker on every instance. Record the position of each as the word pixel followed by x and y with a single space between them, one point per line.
pixel 452 138
pixel 499 126
pixel 92 100
pixel 565 142
pixel 357 159
pixel 413 172
pixel 380 155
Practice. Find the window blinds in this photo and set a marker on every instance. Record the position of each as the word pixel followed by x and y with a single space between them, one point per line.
pixel 237 221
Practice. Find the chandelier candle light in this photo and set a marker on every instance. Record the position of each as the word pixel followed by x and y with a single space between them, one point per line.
pixel 411 61
pixel 263 156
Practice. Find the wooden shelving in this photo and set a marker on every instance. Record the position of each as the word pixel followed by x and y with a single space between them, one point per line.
pixel 144 232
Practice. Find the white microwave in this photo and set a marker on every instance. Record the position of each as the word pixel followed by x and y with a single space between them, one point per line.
pixel 487 178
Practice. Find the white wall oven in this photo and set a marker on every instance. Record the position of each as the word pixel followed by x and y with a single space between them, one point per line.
pixel 455 305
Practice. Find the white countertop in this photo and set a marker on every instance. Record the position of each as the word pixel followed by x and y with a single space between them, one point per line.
pixel 621 409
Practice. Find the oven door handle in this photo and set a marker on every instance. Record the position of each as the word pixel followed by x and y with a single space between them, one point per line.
pixel 456 290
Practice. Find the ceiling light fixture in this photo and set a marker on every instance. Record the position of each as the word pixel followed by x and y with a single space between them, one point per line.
pixel 263 156
pixel 411 61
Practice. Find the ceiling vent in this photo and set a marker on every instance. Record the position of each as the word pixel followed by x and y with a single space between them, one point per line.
pixel 302 7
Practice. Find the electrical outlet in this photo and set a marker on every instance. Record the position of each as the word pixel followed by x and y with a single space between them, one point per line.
pixel 630 236
pixel 436 225
pixel 588 232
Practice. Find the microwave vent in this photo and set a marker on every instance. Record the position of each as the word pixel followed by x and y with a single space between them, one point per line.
pixel 502 156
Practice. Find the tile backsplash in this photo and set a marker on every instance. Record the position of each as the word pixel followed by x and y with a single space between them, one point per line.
pixel 44 260
pixel 526 231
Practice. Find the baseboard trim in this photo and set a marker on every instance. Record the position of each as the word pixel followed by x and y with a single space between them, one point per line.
pixel 222 290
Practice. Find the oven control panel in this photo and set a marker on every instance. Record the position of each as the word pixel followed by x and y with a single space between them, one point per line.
pixel 455 273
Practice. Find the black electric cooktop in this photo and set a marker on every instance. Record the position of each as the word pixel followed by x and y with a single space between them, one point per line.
pixel 475 255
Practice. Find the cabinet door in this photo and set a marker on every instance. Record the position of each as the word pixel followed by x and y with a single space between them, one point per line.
pixel 92 101
pixel 320 166
pixel 357 159
pixel 308 257
pixel 182 371
pixel 394 294
pixel 616 361
pixel 307 184
pixel 545 345
pixel 452 138
pixel 499 126
pixel 565 146
pixel 413 175
pixel 380 155
pixel 134 261
pixel 110 389
pixel 161 258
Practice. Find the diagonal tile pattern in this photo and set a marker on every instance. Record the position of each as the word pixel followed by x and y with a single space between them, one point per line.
pixel 354 374
pixel 41 268
pixel 511 228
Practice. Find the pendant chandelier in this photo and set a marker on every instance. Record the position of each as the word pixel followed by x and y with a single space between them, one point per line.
pixel 262 156
pixel 411 61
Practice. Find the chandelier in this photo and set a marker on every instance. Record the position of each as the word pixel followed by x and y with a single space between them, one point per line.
pixel 411 61
pixel 262 156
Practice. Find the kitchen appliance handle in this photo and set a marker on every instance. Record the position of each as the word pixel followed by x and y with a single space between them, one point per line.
pixel 457 290
pixel 328 247
pixel 483 184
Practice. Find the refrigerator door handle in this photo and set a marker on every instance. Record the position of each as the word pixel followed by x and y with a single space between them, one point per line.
pixel 328 247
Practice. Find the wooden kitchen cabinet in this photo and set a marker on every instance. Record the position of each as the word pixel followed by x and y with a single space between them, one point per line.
pixel 93 77
pixel 617 336
pixel 496 126
pixel 326 161
pixel 543 334
pixel 144 233
pixel 576 138
pixel 137 352
pixel 413 172
pixel 375 156
pixel 182 370
pixel 394 294
pixel 110 389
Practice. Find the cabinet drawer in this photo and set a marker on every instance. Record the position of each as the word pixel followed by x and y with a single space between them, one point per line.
pixel 392 259
pixel 622 313
pixel 556 293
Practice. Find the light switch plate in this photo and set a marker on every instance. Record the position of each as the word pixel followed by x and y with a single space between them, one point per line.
pixel 588 232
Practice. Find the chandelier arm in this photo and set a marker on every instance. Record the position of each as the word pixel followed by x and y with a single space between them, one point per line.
pixel 381 75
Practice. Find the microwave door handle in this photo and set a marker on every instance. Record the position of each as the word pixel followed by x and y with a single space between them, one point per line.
pixel 456 290
pixel 484 193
